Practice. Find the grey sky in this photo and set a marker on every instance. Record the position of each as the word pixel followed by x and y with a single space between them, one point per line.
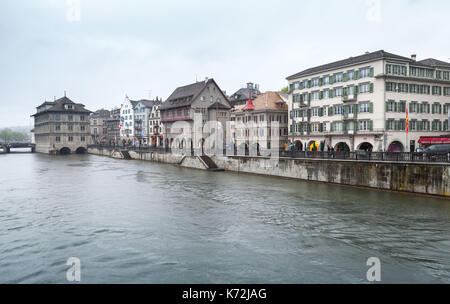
pixel 136 46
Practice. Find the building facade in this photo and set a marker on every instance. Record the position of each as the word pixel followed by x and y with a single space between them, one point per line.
pixel 97 122
pixel 127 130
pixel 61 127
pixel 255 124
pixel 361 103
pixel 155 127
pixel 205 102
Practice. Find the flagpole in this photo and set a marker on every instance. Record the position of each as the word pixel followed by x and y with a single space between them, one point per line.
pixel 407 130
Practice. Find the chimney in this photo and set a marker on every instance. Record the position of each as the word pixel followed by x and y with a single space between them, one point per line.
pixel 414 57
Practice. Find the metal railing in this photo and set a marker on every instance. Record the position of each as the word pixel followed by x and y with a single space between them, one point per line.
pixel 417 157
pixel 371 156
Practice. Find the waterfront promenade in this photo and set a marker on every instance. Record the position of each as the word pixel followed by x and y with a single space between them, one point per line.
pixel 415 176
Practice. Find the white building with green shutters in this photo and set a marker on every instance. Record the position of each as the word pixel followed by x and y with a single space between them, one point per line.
pixel 360 103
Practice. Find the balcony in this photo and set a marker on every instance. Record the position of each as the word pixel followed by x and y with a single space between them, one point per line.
pixel 350 116
pixel 349 98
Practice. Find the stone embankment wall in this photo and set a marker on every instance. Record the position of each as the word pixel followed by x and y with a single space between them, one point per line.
pixel 430 179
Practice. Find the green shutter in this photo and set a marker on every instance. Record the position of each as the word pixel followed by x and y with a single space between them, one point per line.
pixel 370 125
pixel 387 106
pixel 331 79
pixel 320 81
pixel 321 95
pixel 356 74
pixel 371 107
pixel 371 88
pixel 309 84
pixel 345 77
pixel 371 72
pixel 331 93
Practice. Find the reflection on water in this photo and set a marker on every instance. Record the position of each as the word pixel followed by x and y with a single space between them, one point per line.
pixel 131 221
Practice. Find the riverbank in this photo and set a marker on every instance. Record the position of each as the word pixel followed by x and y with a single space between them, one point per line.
pixel 417 178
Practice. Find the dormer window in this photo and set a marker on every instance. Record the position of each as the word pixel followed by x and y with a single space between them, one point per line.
pixel 69 107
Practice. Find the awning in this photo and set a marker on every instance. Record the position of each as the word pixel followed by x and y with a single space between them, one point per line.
pixel 434 140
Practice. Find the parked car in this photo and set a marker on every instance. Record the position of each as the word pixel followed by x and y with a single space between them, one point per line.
pixel 437 149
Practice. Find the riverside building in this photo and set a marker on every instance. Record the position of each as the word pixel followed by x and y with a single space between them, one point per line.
pixel 361 103
pixel 61 127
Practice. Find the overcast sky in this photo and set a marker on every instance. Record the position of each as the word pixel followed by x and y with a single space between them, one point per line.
pixel 146 48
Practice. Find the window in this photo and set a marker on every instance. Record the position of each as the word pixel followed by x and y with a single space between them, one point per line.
pixel 315 95
pixel 82 117
pixel 338 109
pixel 447 91
pixel 70 138
pixel 70 117
pixel 338 77
pixel 390 125
pixel 338 92
pixel 83 138
pixel 315 112
pixel 58 139
pixel 315 82
pixel 390 106
pixel 70 127
pixel 364 88
pixel 364 125
pixel 83 128
pixel 364 73
pixel 351 75
pixel 326 94
pixel 326 80
pixel 413 107
pixel 57 128
pixel 364 108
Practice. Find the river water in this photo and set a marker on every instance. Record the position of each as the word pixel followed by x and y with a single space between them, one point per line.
pixel 141 222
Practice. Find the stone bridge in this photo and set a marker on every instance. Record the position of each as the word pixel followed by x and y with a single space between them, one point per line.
pixel 6 147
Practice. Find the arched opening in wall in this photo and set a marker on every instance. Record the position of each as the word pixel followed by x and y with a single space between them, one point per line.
pixel 64 151
pixel 396 146
pixel 342 147
pixel 365 146
pixel 313 146
pixel 81 150
pixel 298 145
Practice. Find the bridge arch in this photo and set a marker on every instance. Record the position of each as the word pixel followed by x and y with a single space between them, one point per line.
pixel 64 151
pixel 81 150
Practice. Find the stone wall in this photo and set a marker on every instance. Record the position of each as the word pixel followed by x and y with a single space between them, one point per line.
pixel 430 179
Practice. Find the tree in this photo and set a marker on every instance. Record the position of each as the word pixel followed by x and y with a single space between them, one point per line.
pixel 285 89
pixel 8 135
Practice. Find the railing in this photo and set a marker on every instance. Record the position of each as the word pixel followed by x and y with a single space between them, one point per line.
pixel 131 148
pixel 415 157
pixel 371 156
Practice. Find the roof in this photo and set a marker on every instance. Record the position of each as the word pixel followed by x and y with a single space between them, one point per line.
pixel 435 63
pixel 147 103
pixel 266 101
pixel 58 106
pixel 184 96
pixel 101 113
pixel 243 94
pixel 350 61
